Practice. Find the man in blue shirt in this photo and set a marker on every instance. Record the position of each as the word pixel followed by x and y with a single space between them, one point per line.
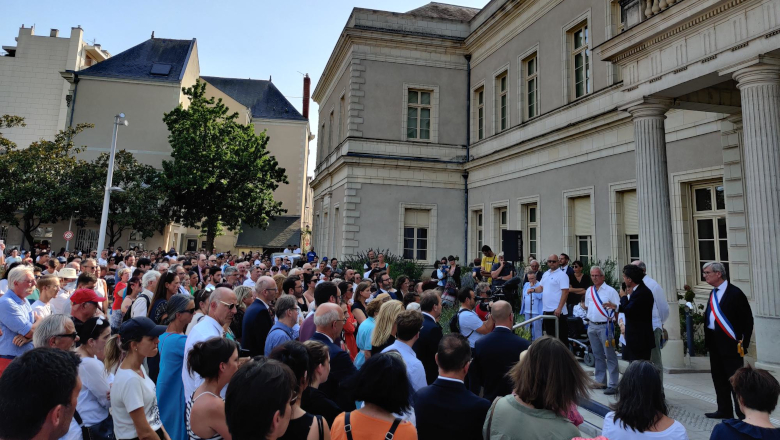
pixel 287 311
pixel 471 327
pixel 16 317
pixel 310 255
pixel 408 326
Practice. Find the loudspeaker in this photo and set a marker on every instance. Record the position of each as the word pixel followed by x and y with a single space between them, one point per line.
pixel 512 244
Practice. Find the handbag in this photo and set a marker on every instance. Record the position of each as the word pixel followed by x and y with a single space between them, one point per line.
pixel 100 431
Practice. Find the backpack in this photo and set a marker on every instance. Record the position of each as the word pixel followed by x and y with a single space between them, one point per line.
pixel 455 323
pixel 127 315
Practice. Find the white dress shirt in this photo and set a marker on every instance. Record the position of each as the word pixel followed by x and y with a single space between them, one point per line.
pixel 660 305
pixel 207 328
pixel 249 283
pixel 414 368
pixel 607 294
pixel 718 296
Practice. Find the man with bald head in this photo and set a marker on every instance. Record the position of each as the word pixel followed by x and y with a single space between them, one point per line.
pixel 329 321
pixel 258 318
pixel 222 307
pixel 495 353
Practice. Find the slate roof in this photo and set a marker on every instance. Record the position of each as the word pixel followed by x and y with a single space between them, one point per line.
pixel 445 11
pixel 281 231
pixel 137 62
pixel 262 97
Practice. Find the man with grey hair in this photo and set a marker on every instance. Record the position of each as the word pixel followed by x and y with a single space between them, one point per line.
pixel 287 311
pixel 601 329
pixel 727 330
pixel 16 317
pixel 222 308
pixel 258 317
pixel 230 276
pixel 534 265
pixel 329 320
pixel 143 302
pixel 254 275
pixel 181 273
pixel 56 331
pixel 660 315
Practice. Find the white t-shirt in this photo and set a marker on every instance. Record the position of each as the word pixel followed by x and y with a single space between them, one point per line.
pixel 469 323
pixel 130 392
pixel 60 304
pixel 617 431
pixel 41 309
pixel 93 403
pixel 553 283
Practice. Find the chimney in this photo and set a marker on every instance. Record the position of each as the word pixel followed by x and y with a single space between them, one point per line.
pixel 306 94
pixel 54 33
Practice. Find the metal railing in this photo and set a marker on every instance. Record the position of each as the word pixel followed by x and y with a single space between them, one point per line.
pixel 538 318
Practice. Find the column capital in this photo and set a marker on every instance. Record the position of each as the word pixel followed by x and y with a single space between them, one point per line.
pixel 760 74
pixel 648 108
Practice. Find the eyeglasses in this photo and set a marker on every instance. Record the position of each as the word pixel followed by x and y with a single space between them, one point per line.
pixel 552 261
pixel 191 311
pixel 73 335
pixel 229 306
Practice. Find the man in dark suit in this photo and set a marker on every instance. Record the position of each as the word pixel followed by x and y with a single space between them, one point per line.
pixel 565 264
pixel 257 318
pixel 726 339
pixel 329 319
pixel 446 409
pixel 640 339
pixel 495 354
pixel 430 334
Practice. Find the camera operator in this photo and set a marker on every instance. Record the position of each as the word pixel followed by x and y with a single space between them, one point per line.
pixel 470 325
pixel 482 290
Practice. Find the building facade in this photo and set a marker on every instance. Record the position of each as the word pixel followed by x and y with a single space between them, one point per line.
pixel 599 128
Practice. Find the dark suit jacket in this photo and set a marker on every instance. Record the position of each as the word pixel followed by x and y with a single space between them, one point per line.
pixel 341 371
pixel 734 305
pixel 447 410
pixel 426 347
pixel 640 338
pixel 254 330
pixel 494 355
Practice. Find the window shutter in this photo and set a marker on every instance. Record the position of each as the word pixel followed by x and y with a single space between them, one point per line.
pixel 583 225
pixel 630 219
pixel 417 218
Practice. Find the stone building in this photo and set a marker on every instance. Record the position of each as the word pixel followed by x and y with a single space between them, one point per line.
pixel 600 128
pixel 144 82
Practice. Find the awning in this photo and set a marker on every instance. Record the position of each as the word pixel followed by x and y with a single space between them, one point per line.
pixel 281 231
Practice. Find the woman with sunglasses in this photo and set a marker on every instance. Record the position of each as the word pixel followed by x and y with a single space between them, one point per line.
pixel 216 361
pixel 94 398
pixel 170 388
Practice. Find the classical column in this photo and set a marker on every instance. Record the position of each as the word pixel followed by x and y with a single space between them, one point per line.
pixel 656 246
pixel 759 87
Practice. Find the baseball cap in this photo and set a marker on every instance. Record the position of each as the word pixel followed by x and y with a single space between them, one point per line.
pixel 62 260
pixel 284 267
pixel 139 327
pixel 81 296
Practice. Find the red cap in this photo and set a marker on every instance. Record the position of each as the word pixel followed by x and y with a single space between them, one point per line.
pixel 82 296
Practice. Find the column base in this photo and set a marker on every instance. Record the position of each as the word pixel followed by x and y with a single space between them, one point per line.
pixel 767 330
pixel 673 354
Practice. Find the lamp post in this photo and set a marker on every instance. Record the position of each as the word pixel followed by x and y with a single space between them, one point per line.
pixel 70 223
pixel 118 120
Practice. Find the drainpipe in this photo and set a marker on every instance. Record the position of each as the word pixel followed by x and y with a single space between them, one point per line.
pixel 468 155
pixel 73 101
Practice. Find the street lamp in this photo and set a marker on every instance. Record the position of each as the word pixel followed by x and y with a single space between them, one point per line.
pixel 118 120
pixel 70 223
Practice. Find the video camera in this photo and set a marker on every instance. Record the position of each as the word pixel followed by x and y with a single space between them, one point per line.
pixel 484 302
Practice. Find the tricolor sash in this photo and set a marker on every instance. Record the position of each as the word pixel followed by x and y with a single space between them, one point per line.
pixel 720 318
pixel 594 295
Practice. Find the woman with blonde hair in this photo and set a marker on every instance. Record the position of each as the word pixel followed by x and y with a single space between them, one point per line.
pixel 384 329
pixel 243 299
pixel 366 329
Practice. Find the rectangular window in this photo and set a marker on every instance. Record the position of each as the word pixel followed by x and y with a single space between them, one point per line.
pixel 531 87
pixel 416 225
pixel 632 247
pixel 581 61
pixel 478 233
pixel 86 239
pixel 584 249
pixel 630 225
pixel 480 99
pixel 502 95
pixel 709 222
pixel 330 132
pixel 418 115
pixel 532 230
pixel 583 227
pixel 342 119
pixel 502 220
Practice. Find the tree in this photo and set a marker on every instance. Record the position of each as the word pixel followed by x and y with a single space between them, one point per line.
pixel 9 121
pixel 39 184
pixel 137 208
pixel 221 172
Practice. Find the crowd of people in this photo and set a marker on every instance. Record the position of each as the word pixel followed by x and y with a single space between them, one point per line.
pixel 159 346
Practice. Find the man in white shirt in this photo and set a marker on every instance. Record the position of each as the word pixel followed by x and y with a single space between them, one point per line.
pixel 471 327
pixel 48 286
pixel 408 326
pixel 222 308
pixel 141 305
pixel 555 287
pixel 297 250
pixel 253 276
pixel 60 305
pixel 660 314
pixel 103 260
pixel 600 302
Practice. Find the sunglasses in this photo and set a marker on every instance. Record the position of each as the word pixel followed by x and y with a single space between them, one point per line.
pixel 190 311
pixel 552 261
pixel 229 306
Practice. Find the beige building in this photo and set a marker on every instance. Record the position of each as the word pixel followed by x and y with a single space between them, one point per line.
pixel 144 82
pixel 600 128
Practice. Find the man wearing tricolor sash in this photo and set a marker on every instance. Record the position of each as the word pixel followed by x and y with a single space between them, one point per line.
pixel 600 301
pixel 729 325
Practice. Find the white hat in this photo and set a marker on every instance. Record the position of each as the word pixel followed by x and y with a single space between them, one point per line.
pixel 68 273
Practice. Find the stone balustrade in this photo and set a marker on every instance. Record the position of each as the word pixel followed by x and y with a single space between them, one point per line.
pixel 655 7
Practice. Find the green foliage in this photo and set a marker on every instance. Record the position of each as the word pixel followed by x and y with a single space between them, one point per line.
pixel 136 208
pixel 221 172
pixel 398 266
pixel 41 184
pixel 611 272
pixel 411 268
pixel 9 121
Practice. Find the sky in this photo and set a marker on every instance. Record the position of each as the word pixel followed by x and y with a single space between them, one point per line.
pixel 236 38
